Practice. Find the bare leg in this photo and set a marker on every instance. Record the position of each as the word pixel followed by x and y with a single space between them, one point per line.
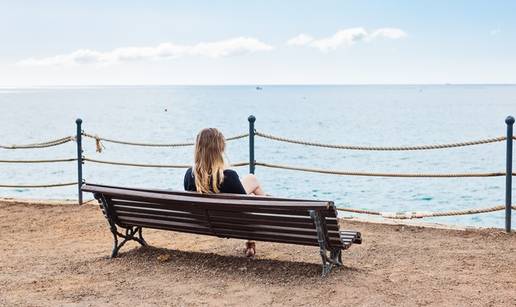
pixel 252 185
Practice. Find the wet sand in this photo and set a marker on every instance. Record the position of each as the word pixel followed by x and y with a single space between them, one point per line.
pixel 57 254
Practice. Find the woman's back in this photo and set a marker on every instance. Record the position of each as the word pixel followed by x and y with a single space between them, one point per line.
pixel 230 184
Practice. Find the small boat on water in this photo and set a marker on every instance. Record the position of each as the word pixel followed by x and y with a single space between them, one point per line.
pixel 259 88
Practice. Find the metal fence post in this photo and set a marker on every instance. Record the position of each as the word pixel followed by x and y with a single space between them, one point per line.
pixel 508 176
pixel 252 162
pixel 78 139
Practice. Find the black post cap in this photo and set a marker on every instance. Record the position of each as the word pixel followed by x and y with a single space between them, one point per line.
pixel 509 120
pixel 251 118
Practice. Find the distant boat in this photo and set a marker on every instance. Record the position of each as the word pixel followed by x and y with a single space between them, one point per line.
pixel 258 88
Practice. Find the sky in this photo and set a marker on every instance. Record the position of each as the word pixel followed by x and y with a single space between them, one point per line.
pixel 81 43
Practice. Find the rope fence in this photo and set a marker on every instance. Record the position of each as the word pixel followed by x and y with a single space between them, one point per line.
pixel 49 185
pixel 382 148
pixel 50 143
pixel 152 165
pixel 100 146
pixel 417 215
pixel 368 174
pixel 39 161
pixel 99 140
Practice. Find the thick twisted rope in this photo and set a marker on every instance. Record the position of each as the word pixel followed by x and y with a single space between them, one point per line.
pixel 361 211
pixel 40 145
pixel 26 186
pixel 99 139
pixel 382 148
pixel 39 161
pixel 417 215
pixel 368 174
pixel 152 165
pixel 137 164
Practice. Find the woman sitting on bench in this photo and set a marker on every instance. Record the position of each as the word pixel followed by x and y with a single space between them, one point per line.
pixel 209 174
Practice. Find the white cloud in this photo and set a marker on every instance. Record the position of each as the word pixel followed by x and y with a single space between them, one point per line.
pixel 229 47
pixel 300 40
pixel 391 33
pixel 345 37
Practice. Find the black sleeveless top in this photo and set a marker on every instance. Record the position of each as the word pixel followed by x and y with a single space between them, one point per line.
pixel 230 184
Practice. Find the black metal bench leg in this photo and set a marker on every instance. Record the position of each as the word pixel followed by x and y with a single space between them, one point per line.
pixel 327 263
pixel 334 260
pixel 327 266
pixel 140 236
pixel 130 234
pixel 114 252
pixel 336 256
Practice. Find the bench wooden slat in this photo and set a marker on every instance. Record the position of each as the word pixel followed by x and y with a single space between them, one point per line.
pixel 347 235
pixel 205 201
pixel 154 205
pixel 136 221
pixel 287 216
pixel 271 210
pixel 354 234
pixel 163 211
pixel 87 188
pixel 257 236
pixel 260 227
pixel 122 214
pixel 270 219
pixel 266 220
pixel 349 232
pixel 271 237
pixel 168 227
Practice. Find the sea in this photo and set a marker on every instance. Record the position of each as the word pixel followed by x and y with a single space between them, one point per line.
pixel 369 115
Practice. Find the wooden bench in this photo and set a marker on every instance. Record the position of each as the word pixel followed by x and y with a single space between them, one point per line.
pixel 294 221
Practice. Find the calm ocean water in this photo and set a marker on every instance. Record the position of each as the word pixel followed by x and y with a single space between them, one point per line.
pixel 360 115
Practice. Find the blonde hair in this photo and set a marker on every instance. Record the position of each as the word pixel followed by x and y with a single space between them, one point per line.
pixel 209 160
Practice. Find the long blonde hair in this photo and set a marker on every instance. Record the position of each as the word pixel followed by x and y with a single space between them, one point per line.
pixel 209 160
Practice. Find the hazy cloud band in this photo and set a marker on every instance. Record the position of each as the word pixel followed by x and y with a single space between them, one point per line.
pixel 345 37
pixel 224 48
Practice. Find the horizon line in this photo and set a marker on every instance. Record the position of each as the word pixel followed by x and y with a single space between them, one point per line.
pixel 250 84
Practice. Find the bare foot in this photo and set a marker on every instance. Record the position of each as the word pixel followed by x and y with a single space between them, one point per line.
pixel 250 249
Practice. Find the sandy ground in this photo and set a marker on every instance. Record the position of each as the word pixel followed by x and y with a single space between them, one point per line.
pixel 58 255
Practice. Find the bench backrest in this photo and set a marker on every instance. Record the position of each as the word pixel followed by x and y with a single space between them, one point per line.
pixel 223 215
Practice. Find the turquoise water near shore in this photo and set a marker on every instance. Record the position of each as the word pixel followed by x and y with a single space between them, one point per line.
pixel 360 115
